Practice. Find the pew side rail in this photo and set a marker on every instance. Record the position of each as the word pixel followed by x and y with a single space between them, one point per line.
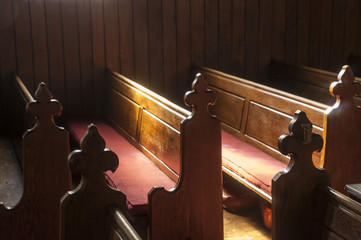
pixel 191 210
pixel 304 205
pixel 253 116
pixel 46 177
pixel 308 82
pixel 138 124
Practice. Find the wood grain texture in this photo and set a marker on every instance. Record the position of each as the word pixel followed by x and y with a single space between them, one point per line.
pixel 238 37
pixel 211 33
pixel 252 39
pixel 86 57
pixel 194 207
pixel 85 212
pixel 225 35
pixel 46 175
pixel 141 48
pixel 98 45
pixel 170 48
pixel 55 51
pixel 126 38
pixel 39 41
pixel 292 189
pixel 342 128
pixel 111 34
pixel 155 36
pixel 71 56
pixel 303 23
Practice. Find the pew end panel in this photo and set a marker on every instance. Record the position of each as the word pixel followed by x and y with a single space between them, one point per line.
pixel 193 210
pixel 292 188
pixel 342 130
pixel 91 202
pixel 45 150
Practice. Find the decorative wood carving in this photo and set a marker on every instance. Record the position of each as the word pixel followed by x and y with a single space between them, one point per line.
pixel 46 175
pixel 342 124
pixel 193 209
pixel 292 189
pixel 85 212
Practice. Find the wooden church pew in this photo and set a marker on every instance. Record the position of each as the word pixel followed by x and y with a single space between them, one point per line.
pixel 253 116
pixel 46 175
pixel 304 205
pixel 191 210
pixel 144 125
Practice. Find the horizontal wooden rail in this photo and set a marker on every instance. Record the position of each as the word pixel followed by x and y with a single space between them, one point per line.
pixel 123 227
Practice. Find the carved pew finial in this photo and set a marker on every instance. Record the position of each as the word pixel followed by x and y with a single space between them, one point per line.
pixel 194 207
pixel 342 128
pixel 88 205
pixel 45 171
pixel 292 189
pixel 44 106
pixel 345 87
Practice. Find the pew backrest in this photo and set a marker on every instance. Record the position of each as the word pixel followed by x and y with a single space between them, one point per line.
pixel 258 114
pixel 147 120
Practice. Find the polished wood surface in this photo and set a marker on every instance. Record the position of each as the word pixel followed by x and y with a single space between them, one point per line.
pixel 292 189
pixel 258 114
pixel 342 132
pixel 193 209
pixel 46 175
pixel 150 122
pixel 85 211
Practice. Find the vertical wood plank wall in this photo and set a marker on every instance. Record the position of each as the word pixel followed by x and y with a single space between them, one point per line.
pixel 67 43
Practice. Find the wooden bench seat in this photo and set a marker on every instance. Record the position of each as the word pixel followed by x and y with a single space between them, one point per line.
pixel 249 162
pixel 136 175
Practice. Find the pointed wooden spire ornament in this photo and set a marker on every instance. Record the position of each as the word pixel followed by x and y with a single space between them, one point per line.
pixel 342 132
pixel 79 208
pixel 289 221
pixel 45 171
pixel 195 205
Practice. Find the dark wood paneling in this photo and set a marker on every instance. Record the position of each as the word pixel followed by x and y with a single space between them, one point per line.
pixel 211 33
pixel 111 29
pixel 183 46
pixel 24 50
pixel 325 33
pixel 238 37
pixel 39 41
pixel 71 56
pixel 252 39
pixel 170 47
pixel 225 36
pixel 291 31
pixel 141 56
pixel 197 31
pixel 98 46
pixel 337 35
pixel 314 31
pixel 155 34
pixel 303 23
pixel 86 55
pixel 265 34
pixel 278 29
pixel 126 38
pixel 68 43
